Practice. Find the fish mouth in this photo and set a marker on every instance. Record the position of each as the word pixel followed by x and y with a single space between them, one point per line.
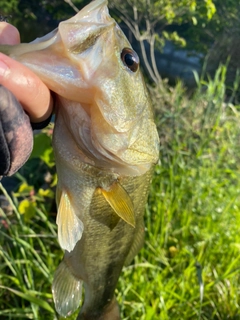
pixel 82 37
pixel 93 5
pixel 81 31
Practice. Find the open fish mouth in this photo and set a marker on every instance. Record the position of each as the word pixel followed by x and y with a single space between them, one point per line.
pixel 105 144
pixel 107 108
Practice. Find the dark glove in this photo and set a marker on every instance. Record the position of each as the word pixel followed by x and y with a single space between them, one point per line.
pixel 16 136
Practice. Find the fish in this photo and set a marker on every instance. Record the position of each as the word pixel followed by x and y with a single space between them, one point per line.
pixel 106 144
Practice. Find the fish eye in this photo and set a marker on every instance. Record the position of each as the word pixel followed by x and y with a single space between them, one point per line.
pixel 130 59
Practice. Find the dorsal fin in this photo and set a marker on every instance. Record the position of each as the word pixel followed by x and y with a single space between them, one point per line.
pixel 120 202
pixel 70 227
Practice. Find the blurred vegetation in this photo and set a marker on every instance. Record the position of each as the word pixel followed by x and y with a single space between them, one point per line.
pixel 155 22
pixel 196 25
pixel 28 15
pixel 189 267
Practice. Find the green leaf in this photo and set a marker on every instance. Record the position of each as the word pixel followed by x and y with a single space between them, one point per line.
pixel 25 188
pixel 27 208
pixel 41 142
pixel 46 193
pixel 194 20
pixel 43 149
pixel 29 297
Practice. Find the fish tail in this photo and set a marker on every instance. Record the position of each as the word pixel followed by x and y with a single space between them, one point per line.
pixel 110 312
pixel 67 290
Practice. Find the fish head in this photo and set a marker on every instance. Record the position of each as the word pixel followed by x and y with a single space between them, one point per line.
pixel 89 61
pixel 121 133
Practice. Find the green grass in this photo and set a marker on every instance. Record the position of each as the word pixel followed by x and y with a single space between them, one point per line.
pixel 189 267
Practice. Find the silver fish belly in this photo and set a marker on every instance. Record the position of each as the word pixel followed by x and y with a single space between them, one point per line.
pixel 105 143
pixel 107 243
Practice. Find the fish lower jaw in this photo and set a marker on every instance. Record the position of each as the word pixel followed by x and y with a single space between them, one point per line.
pixel 110 312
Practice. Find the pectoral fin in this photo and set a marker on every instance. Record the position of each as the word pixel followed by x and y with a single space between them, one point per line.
pixel 70 227
pixel 120 202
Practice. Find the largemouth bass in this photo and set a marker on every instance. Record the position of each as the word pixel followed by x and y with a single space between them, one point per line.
pixel 105 143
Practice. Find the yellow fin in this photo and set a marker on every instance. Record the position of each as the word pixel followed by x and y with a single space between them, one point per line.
pixel 120 202
pixel 70 227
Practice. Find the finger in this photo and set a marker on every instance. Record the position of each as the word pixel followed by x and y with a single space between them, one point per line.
pixel 8 34
pixel 30 91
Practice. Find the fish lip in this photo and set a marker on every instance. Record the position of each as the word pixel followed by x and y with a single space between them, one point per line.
pixel 92 6
pixel 95 5
pixel 81 33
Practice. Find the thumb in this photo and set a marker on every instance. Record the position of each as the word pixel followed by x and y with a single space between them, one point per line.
pixel 8 34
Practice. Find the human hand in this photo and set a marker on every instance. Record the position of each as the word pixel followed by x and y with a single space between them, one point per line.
pixel 30 91
pixel 20 89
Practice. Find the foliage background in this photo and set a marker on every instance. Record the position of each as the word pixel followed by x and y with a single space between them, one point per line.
pixel 189 267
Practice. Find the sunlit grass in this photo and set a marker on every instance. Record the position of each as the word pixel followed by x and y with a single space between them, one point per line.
pixel 189 267
pixel 28 256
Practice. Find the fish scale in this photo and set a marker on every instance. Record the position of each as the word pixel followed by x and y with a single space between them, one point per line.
pixel 105 143
pixel 109 240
